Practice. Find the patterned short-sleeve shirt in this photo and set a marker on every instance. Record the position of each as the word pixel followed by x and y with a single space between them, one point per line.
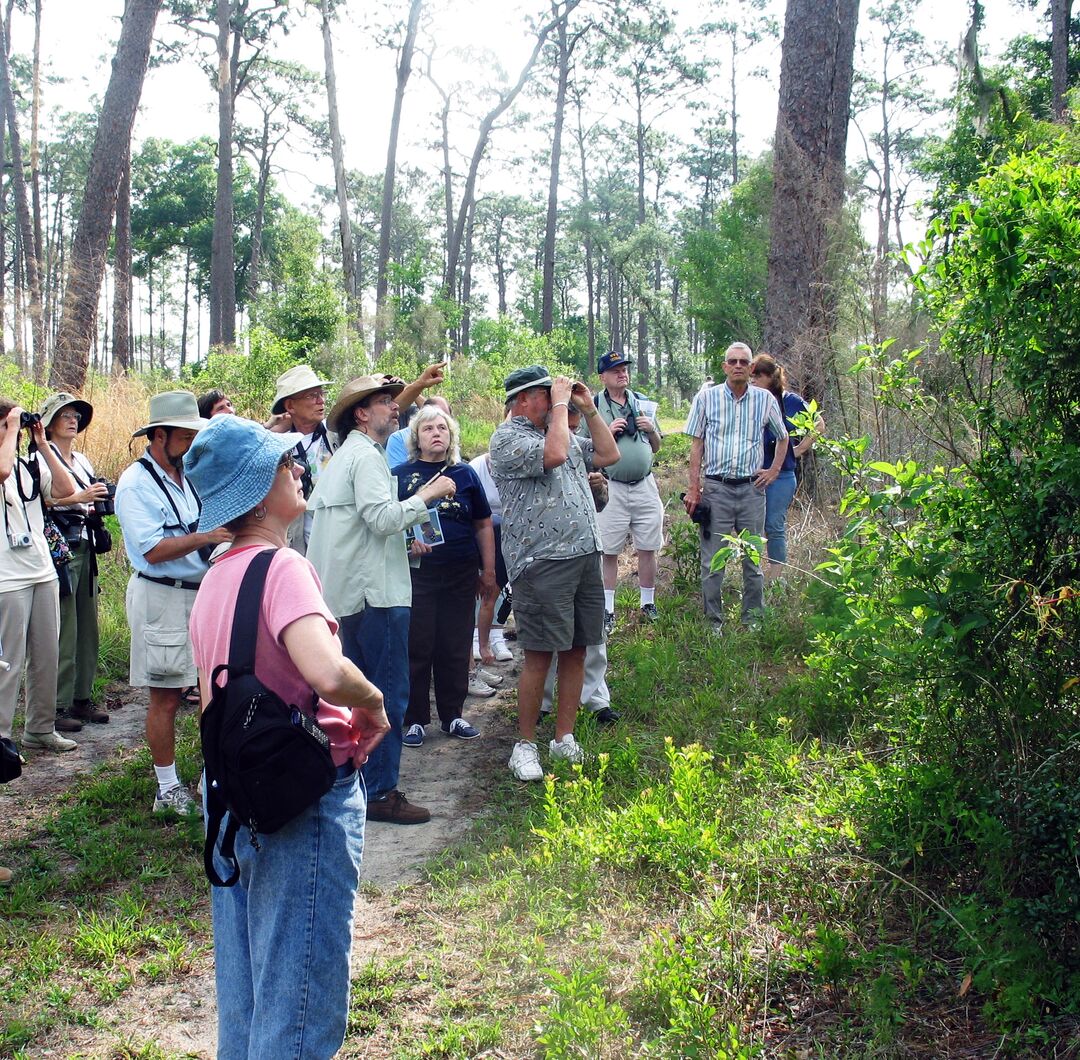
pixel 546 514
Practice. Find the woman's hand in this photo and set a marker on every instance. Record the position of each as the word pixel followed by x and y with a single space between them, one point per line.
pixel 96 491
pixel 369 726
pixel 418 548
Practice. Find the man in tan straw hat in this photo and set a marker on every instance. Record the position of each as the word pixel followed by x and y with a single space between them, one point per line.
pixel 158 512
pixel 358 549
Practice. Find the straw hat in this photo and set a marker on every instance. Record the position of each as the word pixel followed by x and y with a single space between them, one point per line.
pixel 356 390
pixel 295 381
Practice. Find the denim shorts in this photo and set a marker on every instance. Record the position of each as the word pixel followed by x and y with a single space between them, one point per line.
pixel 559 604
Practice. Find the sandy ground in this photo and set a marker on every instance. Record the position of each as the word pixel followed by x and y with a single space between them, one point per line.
pixel 453 778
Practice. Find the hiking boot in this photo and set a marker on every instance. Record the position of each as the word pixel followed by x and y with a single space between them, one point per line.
pixel 66 724
pixel 414 736
pixel 394 808
pixel 479 688
pixel 460 728
pixel 86 710
pixel 47 741
pixel 176 800
pixel 606 716
pixel 609 623
pixel 649 613
pixel 525 761
pixel 567 748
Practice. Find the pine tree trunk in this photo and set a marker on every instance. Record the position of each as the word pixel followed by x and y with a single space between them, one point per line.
pixel 808 182
pixel 260 214
pixel 404 69
pixel 121 347
pixel 547 316
pixel 86 265
pixel 1060 19
pixel 222 254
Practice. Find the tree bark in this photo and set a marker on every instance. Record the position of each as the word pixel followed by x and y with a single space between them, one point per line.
pixel 547 315
pixel 23 218
pixel 222 253
pixel 111 146
pixel 466 283
pixel 639 143
pixel 348 258
pixel 121 348
pixel 1060 19
pixel 808 178
pixel 260 216
pixel 404 69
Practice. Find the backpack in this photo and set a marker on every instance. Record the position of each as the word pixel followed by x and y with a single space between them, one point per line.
pixel 266 762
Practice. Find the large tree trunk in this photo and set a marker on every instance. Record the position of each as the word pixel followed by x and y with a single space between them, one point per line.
pixel 808 176
pixel 121 349
pixel 111 146
pixel 466 283
pixel 586 211
pixel 547 315
pixel 260 214
pixel 1060 19
pixel 222 262
pixel 23 218
pixel 404 69
pixel 35 151
pixel 642 323
pixel 348 258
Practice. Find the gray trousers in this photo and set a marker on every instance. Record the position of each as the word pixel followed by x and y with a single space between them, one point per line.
pixel 594 689
pixel 30 635
pixel 734 508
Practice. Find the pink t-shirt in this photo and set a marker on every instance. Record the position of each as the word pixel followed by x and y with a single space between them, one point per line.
pixel 292 591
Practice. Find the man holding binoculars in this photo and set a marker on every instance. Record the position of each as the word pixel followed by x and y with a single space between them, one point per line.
pixel 158 512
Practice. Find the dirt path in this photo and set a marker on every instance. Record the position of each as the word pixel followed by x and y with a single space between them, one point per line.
pixel 454 779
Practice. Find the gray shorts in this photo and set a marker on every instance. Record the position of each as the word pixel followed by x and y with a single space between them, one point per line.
pixel 160 647
pixel 559 604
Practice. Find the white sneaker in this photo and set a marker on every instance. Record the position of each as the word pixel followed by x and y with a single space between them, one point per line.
pixel 48 741
pixel 502 652
pixel 525 761
pixel 479 688
pixel 476 647
pixel 488 677
pixel 176 800
pixel 567 748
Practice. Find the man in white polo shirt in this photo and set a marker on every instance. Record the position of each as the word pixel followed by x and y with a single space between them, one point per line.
pixel 727 426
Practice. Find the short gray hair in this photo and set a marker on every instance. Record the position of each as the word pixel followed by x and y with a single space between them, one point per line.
pixel 429 412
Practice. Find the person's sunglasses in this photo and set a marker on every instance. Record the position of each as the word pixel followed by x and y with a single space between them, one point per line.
pixel 737 361
pixel 287 462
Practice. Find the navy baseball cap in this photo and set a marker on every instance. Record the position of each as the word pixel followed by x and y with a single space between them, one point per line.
pixel 614 359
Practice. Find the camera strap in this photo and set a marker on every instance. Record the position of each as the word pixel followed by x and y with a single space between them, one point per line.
pixel 180 524
pixel 16 472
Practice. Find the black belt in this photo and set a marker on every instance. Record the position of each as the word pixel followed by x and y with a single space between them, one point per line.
pixel 632 482
pixel 172 583
pixel 730 481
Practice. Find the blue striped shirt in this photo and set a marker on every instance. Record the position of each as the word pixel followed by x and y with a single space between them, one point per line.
pixel 733 429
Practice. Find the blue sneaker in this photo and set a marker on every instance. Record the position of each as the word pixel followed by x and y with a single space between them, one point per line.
pixel 460 728
pixel 414 736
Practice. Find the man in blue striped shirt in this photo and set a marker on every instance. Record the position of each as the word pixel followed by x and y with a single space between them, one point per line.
pixel 727 425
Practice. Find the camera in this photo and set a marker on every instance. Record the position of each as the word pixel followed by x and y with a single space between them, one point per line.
pixel 702 516
pixel 29 419
pixel 106 505
pixel 18 540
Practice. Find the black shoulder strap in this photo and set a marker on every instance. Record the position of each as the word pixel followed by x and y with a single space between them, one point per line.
pixel 165 489
pixel 245 625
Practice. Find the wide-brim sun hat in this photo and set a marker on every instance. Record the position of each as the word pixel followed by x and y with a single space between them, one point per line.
pixel 232 464
pixel 525 378
pixel 174 408
pixel 55 402
pixel 355 390
pixel 295 381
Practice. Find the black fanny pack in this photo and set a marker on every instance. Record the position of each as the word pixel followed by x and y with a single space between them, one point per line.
pixel 266 762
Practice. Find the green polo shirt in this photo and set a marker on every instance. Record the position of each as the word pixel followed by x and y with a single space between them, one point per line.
pixel 635 453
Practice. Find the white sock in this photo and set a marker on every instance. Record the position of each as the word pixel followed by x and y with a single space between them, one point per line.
pixel 609 600
pixel 648 596
pixel 166 777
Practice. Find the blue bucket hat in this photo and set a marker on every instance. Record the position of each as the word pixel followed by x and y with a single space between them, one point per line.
pixel 232 464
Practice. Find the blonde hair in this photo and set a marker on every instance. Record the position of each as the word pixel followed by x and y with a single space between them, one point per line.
pixel 429 412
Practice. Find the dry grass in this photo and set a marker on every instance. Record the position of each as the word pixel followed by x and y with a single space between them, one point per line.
pixel 121 406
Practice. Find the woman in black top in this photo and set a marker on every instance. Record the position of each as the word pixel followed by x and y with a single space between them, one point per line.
pixel 447 576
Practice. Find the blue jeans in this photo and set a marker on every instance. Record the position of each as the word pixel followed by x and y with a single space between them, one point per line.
pixel 377 640
pixel 778 498
pixel 283 933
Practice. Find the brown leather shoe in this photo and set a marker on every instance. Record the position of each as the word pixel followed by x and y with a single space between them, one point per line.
pixel 396 809
pixel 67 724
pixel 85 710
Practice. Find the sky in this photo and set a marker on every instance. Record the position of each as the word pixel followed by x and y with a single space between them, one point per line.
pixel 474 38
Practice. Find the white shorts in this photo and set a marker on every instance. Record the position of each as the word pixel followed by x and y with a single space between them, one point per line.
pixel 160 646
pixel 634 509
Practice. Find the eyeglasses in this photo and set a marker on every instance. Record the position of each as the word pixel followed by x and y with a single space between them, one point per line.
pixel 737 361
pixel 69 414
pixel 385 400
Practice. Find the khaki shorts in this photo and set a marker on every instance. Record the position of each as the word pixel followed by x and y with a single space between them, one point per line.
pixel 634 509
pixel 559 604
pixel 160 646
